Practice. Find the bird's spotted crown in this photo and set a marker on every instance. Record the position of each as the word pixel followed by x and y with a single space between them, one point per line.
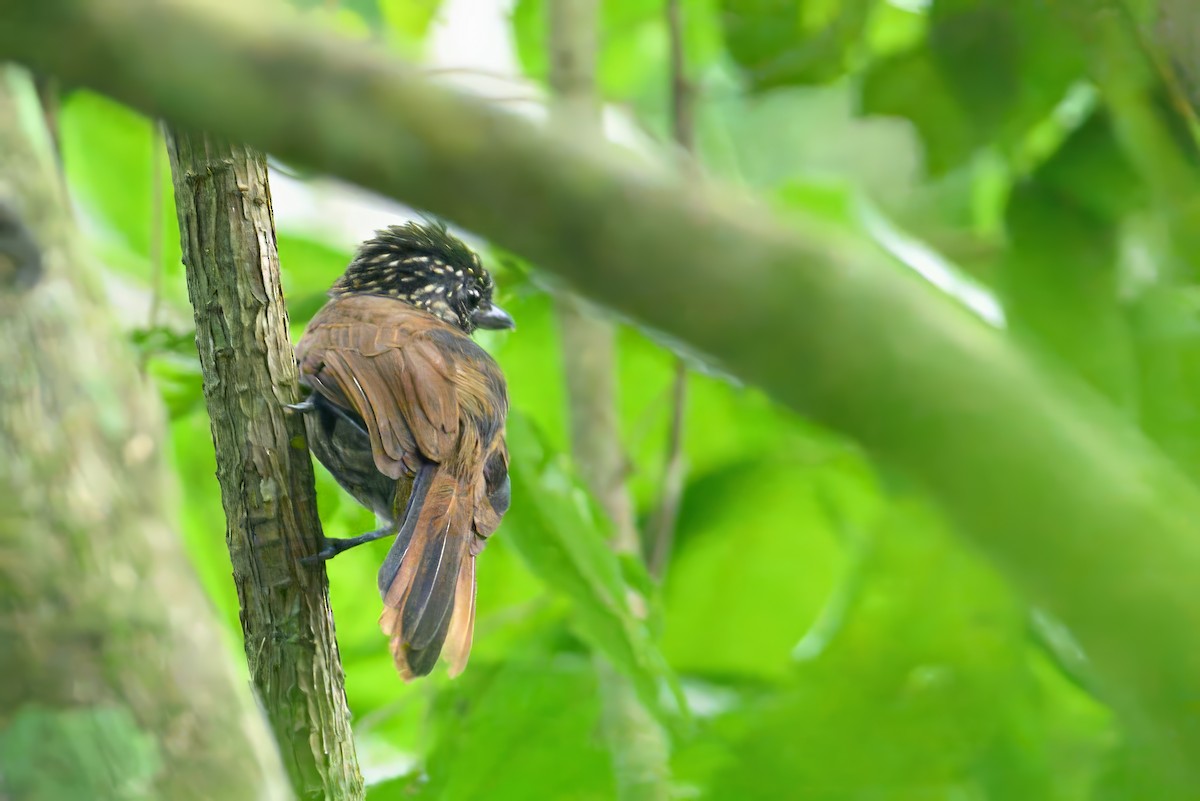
pixel 423 265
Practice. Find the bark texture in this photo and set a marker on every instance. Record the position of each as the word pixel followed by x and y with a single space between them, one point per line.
pixel 263 467
pixel 116 683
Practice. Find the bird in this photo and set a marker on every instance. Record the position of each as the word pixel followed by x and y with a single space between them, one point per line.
pixel 407 412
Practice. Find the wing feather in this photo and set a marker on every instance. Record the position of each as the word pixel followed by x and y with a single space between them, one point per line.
pixel 433 404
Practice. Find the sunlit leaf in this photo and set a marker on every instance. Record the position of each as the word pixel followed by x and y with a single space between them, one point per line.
pixel 408 21
pixel 782 42
pixel 557 531
pixel 1061 279
pixel 633 63
pixel 758 553
pixel 987 73
pixel 111 155
pixel 924 692
pixel 520 730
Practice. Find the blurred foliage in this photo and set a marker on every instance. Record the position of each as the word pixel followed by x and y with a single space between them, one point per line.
pixel 832 639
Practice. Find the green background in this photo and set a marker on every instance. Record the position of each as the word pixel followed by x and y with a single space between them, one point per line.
pixel 821 632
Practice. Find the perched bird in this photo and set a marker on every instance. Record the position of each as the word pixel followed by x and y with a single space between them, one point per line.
pixel 408 413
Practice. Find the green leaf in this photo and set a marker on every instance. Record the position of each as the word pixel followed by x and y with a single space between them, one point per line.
pixel 307 267
pixel 1166 325
pixel 530 37
pixel 408 21
pixel 892 29
pixel 922 693
pixel 830 201
pixel 633 59
pixel 1059 280
pixel 910 85
pixel 109 156
pixel 559 533
pixel 786 42
pixel 179 380
pixel 988 72
pixel 757 556
pixel 523 729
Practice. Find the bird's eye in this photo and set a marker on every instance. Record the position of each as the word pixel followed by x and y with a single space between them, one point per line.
pixel 473 293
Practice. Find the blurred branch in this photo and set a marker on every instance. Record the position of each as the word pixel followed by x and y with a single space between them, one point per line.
pixel 1047 479
pixel 589 361
pixel 683 124
pixel 666 517
pixel 661 532
pixel 1177 32
pixel 588 341
pixel 116 679
pixel 228 237
pixel 637 743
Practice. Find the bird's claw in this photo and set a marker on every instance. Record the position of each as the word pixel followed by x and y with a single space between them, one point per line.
pixel 332 546
pixel 303 406
pixel 323 555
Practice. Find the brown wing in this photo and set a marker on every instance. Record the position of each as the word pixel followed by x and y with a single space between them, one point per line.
pixel 372 356
pixel 433 404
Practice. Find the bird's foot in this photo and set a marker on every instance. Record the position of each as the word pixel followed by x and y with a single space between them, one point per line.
pixel 332 546
pixel 303 406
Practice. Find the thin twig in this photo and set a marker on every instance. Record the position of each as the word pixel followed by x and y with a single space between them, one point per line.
pixel 588 340
pixel 674 471
pixel 662 529
pixel 639 747
pixel 682 98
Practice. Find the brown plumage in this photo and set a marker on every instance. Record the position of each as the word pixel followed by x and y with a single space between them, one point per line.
pixel 407 413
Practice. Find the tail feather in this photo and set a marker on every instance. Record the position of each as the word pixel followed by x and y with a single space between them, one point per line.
pixel 420 579
pixel 404 537
pixel 462 619
pixel 413 662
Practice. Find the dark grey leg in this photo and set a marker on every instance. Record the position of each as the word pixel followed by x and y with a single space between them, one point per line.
pixel 333 546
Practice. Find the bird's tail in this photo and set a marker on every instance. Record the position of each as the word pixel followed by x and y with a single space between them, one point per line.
pixel 428 578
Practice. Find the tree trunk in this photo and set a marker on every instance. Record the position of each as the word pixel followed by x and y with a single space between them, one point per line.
pixel 228 237
pixel 116 684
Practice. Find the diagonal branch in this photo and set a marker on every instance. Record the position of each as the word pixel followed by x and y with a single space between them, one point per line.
pixel 661 533
pixel 1085 516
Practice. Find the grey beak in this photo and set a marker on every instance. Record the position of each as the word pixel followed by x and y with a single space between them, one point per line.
pixel 492 317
